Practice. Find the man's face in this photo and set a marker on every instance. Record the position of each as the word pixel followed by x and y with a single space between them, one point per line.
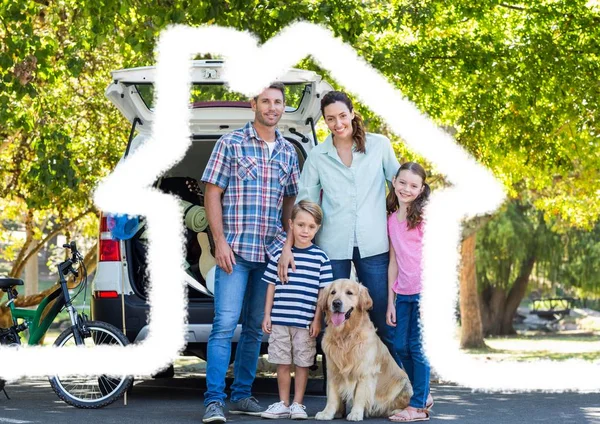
pixel 268 107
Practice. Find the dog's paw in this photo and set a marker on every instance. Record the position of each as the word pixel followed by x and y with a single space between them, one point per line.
pixel 355 416
pixel 324 416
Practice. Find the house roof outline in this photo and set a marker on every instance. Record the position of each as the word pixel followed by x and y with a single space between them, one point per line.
pixel 474 191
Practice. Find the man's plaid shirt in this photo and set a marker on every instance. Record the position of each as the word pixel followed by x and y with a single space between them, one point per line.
pixel 254 185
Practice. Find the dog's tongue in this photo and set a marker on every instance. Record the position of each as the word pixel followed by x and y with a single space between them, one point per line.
pixel 338 318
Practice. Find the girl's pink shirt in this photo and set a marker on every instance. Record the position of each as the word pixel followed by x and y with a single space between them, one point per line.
pixel 408 248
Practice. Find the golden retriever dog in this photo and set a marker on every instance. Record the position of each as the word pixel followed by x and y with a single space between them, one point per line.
pixel 360 368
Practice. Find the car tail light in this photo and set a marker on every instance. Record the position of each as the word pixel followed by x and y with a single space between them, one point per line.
pixel 108 249
pixel 109 294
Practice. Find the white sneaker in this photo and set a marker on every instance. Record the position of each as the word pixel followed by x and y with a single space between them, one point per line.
pixel 297 411
pixel 277 410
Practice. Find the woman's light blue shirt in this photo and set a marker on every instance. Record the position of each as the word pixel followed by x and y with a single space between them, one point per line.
pixel 353 199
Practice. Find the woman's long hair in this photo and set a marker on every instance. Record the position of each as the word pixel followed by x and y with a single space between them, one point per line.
pixel 414 214
pixel 358 126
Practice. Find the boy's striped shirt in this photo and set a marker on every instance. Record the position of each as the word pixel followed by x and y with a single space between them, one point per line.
pixel 295 302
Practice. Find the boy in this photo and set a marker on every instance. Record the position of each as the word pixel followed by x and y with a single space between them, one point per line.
pixel 292 317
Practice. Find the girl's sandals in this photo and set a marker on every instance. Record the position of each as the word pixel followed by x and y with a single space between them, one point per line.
pixel 430 402
pixel 410 415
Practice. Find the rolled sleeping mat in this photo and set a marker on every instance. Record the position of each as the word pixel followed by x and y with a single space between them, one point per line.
pixel 194 216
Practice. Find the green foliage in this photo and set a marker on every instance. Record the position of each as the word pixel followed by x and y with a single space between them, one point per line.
pixel 567 262
pixel 516 85
pixel 505 242
pixel 581 265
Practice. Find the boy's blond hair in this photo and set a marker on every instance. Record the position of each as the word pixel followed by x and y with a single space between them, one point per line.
pixel 309 207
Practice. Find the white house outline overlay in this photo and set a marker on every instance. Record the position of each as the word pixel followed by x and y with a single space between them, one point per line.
pixel 249 68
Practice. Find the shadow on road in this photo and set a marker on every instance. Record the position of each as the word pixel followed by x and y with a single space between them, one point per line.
pixel 179 400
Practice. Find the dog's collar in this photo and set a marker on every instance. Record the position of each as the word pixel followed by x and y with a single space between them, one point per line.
pixel 347 316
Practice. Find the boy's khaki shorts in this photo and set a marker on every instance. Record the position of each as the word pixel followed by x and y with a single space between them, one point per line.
pixel 287 343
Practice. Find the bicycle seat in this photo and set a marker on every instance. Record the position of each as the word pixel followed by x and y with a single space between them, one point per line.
pixel 7 283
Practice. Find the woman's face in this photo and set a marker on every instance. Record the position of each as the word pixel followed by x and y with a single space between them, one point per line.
pixel 339 119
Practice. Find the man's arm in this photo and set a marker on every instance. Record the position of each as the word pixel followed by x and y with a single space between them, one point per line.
pixel 214 212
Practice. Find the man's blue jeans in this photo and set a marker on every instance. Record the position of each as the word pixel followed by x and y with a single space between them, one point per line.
pixel 372 272
pixel 408 344
pixel 240 294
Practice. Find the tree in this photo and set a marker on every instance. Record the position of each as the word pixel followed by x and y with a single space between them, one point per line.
pixel 518 246
pixel 515 83
pixel 472 327
pixel 509 247
pixel 57 130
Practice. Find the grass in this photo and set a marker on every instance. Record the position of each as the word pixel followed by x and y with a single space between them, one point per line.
pixel 532 347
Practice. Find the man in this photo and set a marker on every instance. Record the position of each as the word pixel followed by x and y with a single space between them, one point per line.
pixel 255 171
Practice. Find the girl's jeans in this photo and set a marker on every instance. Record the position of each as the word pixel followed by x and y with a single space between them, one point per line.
pixel 408 344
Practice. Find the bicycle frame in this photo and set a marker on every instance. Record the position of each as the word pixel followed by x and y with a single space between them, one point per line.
pixel 37 321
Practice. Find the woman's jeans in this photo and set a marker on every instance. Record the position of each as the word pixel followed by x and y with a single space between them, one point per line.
pixel 240 294
pixel 408 344
pixel 372 272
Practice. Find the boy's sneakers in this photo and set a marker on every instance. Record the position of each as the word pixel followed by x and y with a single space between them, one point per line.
pixel 248 406
pixel 297 411
pixel 277 410
pixel 214 413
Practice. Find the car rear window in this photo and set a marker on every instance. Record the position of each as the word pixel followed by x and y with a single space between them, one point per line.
pixel 214 95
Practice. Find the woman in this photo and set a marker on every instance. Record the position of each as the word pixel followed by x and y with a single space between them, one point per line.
pixel 346 174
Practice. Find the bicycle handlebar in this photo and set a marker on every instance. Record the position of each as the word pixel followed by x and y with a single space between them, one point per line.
pixel 76 257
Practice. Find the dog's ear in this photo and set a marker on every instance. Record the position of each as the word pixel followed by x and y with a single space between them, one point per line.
pixel 364 299
pixel 323 295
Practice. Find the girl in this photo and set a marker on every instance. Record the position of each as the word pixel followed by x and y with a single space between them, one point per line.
pixel 405 228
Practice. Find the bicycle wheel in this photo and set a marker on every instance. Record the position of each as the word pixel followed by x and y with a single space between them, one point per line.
pixel 91 392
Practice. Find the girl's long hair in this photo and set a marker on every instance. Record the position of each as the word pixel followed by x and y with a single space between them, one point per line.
pixel 414 214
pixel 358 126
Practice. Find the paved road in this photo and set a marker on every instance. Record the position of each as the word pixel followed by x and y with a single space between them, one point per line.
pixel 179 400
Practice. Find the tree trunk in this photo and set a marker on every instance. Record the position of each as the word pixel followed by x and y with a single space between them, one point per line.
pixel 492 302
pixel 31 268
pixel 471 328
pixel 515 295
pixel 31 277
pixel 21 259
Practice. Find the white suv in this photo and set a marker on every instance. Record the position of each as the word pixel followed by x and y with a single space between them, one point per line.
pixel 215 111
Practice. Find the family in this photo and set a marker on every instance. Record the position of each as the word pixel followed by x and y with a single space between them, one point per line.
pixel 264 215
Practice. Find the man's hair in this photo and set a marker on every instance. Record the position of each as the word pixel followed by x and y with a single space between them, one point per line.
pixel 309 207
pixel 277 86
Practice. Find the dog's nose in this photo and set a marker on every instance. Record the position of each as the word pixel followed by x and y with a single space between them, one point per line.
pixel 337 305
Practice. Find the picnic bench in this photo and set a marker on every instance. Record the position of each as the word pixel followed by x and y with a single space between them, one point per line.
pixel 552 309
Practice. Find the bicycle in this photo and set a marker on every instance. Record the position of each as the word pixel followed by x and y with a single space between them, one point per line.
pixel 79 391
